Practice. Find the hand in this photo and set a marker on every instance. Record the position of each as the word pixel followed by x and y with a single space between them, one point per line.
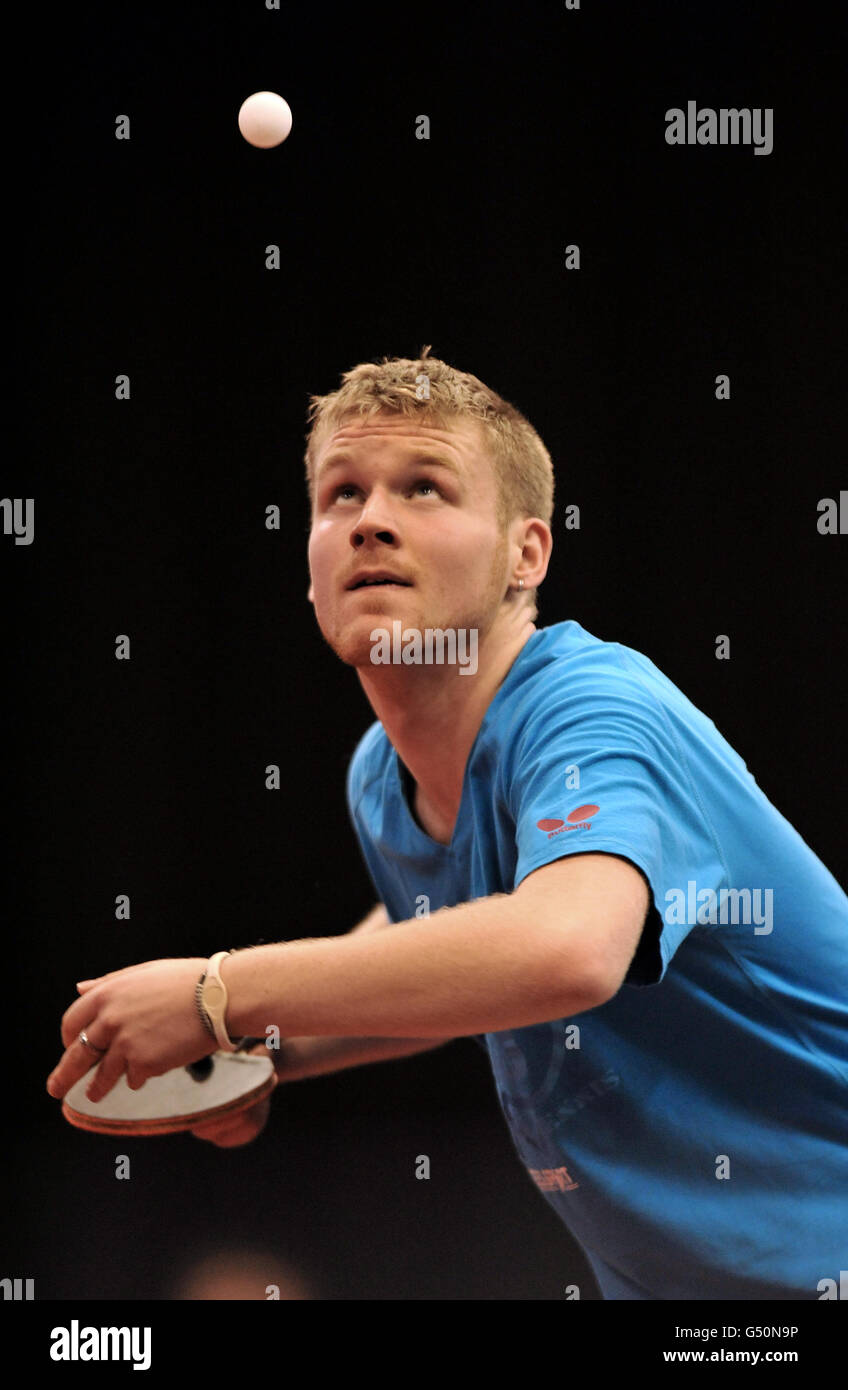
pixel 142 1020
pixel 229 1131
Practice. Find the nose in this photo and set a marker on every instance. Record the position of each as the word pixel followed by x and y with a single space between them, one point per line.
pixel 375 521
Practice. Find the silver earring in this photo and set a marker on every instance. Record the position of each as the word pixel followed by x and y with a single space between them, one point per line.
pixel 520 585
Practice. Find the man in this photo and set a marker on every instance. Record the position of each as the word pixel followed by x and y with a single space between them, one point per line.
pixel 572 865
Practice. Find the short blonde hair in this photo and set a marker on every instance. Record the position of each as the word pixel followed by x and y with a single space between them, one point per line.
pixel 523 469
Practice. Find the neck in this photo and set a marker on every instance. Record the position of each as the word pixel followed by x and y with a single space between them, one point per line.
pixel 432 715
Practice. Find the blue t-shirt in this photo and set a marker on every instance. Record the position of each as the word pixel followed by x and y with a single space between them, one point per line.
pixel 692 1132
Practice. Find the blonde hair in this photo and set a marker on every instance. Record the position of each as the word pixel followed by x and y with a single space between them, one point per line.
pixel 523 469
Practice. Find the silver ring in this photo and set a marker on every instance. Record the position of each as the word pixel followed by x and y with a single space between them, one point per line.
pixel 83 1037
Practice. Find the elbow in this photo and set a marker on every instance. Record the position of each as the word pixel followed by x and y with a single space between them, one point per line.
pixel 582 985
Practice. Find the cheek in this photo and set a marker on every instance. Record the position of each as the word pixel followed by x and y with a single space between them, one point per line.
pixel 321 593
pixel 471 552
pixel 318 553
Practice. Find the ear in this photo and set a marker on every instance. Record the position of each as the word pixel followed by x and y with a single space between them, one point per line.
pixel 311 595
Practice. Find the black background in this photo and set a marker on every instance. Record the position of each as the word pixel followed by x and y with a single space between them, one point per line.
pixel 698 517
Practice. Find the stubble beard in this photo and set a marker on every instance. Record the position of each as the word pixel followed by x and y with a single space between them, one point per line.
pixel 480 615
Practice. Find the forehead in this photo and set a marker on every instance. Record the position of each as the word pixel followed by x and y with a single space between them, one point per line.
pixel 460 444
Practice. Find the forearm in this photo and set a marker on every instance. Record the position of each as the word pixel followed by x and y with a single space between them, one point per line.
pixel 299 1058
pixel 484 966
pixel 381 1049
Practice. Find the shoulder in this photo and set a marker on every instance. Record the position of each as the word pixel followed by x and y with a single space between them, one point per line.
pixel 568 664
pixel 572 682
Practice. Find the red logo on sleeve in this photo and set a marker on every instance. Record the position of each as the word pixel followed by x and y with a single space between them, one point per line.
pixel 581 819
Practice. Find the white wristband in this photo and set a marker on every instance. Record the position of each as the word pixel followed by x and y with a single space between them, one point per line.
pixel 213 999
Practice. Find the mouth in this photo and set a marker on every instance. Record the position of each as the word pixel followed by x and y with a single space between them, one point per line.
pixel 386 583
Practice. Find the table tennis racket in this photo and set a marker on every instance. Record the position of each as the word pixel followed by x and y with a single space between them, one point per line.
pixel 224 1083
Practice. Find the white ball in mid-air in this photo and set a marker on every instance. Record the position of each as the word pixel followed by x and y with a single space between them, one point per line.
pixel 265 120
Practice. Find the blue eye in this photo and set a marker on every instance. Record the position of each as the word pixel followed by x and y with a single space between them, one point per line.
pixel 345 490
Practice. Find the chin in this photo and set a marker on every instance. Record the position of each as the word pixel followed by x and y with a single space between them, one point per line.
pixel 352 642
pixel 355 652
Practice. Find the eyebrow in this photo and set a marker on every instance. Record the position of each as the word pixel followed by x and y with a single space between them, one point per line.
pixel 425 459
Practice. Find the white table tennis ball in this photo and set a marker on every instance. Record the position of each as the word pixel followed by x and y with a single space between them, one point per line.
pixel 265 120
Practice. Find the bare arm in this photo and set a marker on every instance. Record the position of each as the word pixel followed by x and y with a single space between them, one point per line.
pixel 299 1058
pixel 492 964
pixel 559 944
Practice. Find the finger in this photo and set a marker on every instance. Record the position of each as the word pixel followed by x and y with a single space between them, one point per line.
pixel 252 1118
pixel 232 1136
pixel 217 1129
pixel 235 1138
pixel 219 1124
pixel 110 1070
pixel 75 1062
pixel 79 1016
pixel 83 1011
pixel 84 985
pixel 214 1130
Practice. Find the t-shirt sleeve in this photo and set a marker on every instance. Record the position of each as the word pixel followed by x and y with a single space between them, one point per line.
pixel 598 767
